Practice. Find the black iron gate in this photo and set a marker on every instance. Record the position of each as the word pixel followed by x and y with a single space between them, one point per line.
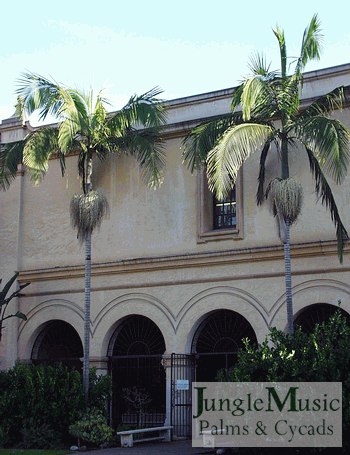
pixel 182 375
pixel 188 368
pixel 145 375
pixel 139 391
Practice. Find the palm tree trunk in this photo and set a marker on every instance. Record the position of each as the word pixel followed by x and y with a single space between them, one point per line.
pixel 288 275
pixel 87 316
pixel 86 366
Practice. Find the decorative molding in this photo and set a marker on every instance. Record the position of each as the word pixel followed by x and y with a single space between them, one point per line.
pixel 177 261
pixel 197 260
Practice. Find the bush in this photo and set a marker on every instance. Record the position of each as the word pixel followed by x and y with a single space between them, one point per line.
pixel 50 396
pixel 38 437
pixel 322 356
pixel 92 427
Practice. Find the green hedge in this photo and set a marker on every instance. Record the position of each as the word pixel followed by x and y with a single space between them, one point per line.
pixel 45 398
pixel 322 356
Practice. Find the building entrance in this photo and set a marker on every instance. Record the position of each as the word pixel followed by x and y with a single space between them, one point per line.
pixel 139 379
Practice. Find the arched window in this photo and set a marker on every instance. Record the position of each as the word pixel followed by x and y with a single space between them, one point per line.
pixel 217 341
pixel 316 314
pixel 58 341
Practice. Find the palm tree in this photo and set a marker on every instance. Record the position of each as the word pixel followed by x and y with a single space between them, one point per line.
pixel 226 142
pixel 85 128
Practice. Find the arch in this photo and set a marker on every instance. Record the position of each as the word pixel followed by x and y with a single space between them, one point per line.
pixel 217 340
pixel 120 308
pixel 57 340
pixel 222 331
pixel 197 308
pixel 38 318
pixel 317 313
pixel 136 335
pixel 325 291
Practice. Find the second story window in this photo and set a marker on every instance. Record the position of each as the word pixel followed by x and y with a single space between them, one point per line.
pixel 224 211
pixel 219 220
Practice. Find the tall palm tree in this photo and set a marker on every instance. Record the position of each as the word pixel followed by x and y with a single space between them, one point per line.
pixel 266 96
pixel 85 128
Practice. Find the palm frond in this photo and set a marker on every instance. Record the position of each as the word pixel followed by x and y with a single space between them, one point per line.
pixel 258 65
pixel 202 138
pixel 236 98
pixel 99 113
pixel 235 146
pixel 324 105
pixel 147 148
pixel 151 157
pixel 253 90
pixel 311 46
pixel 75 114
pixel 324 192
pixel 260 193
pixel 145 110
pixel 87 212
pixel 283 50
pixel 38 93
pixel 330 141
pixel 11 155
pixel 40 145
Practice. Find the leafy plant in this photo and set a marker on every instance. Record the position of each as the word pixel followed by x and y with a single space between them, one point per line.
pixel 47 395
pixel 4 301
pixel 38 436
pixel 322 356
pixel 92 427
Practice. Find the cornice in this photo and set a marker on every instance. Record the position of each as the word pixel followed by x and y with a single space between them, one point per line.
pixel 179 129
pixel 184 261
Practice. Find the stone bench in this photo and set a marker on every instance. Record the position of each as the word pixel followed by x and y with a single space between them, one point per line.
pixel 127 439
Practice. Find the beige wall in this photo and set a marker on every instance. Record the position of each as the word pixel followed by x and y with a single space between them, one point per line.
pixel 146 259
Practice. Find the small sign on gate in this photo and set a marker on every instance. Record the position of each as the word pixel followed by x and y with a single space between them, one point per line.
pixel 182 384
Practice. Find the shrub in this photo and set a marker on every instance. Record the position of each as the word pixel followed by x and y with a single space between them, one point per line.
pixel 322 356
pixel 92 427
pixel 50 396
pixel 38 437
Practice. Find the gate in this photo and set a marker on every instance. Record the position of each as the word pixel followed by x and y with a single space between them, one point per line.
pixel 139 391
pixel 183 370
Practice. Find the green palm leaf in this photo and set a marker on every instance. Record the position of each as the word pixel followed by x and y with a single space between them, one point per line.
pixel 39 146
pixel 11 155
pixel 201 139
pixel 311 46
pixel 235 146
pixel 330 140
pixel 38 93
pixel 324 192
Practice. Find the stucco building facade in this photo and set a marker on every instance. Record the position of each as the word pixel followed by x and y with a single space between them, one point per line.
pixel 164 279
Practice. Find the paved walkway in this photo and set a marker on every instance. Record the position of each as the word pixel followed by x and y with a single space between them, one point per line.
pixel 155 448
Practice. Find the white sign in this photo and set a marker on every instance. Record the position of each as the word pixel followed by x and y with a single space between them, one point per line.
pixel 182 384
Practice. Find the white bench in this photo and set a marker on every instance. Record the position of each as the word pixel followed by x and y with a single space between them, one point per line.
pixel 127 439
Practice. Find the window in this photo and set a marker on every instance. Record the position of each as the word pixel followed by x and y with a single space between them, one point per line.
pixel 219 220
pixel 224 212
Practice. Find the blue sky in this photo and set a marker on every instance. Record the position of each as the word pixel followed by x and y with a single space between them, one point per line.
pixel 185 47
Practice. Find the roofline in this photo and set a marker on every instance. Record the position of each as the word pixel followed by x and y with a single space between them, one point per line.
pixel 223 93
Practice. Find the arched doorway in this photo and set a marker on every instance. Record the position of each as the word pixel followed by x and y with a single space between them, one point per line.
pixel 217 341
pixel 316 314
pixel 139 382
pixel 58 342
